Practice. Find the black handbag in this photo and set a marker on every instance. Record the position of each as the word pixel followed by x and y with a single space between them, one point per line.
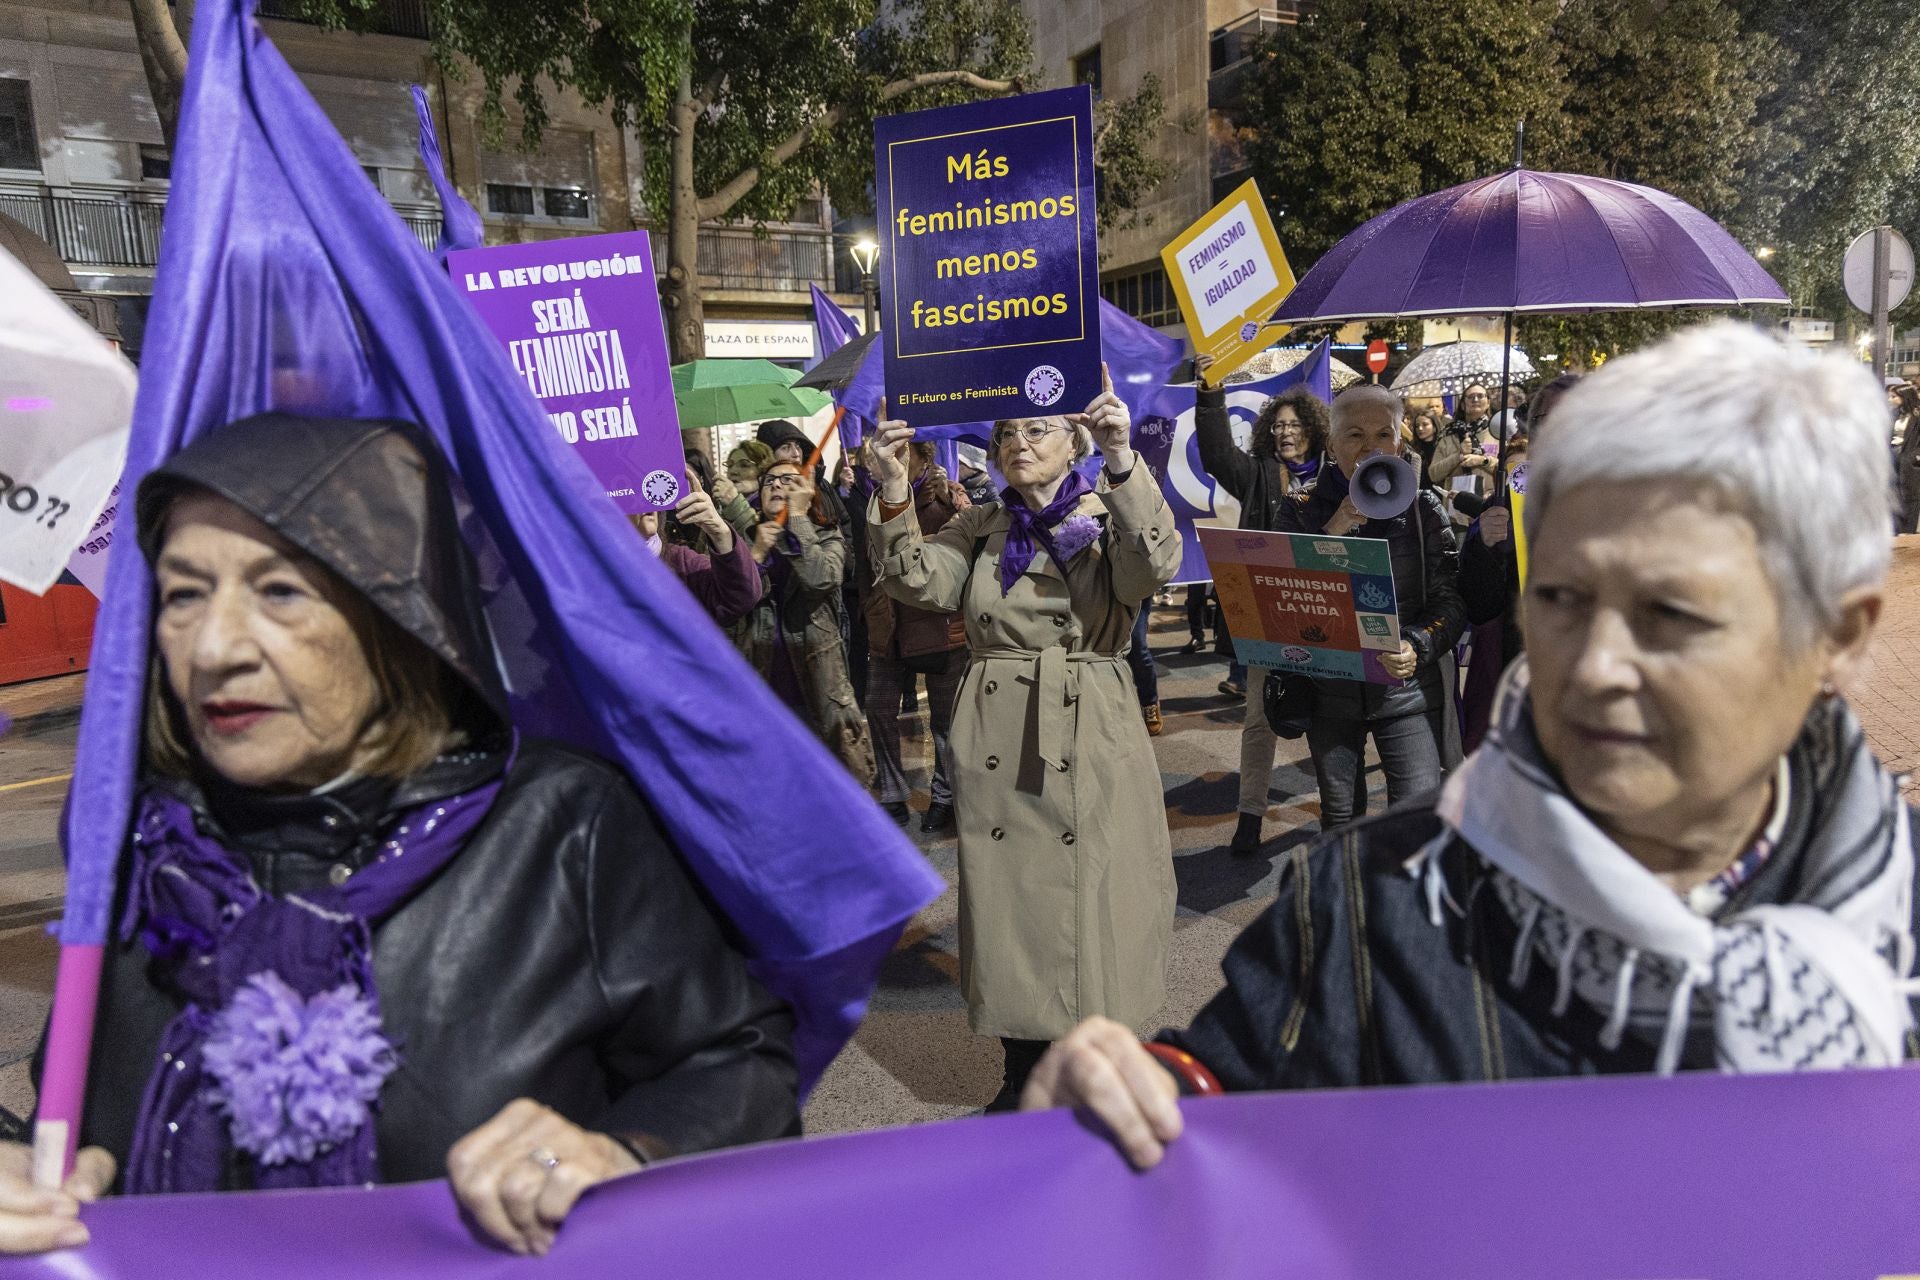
pixel 1288 701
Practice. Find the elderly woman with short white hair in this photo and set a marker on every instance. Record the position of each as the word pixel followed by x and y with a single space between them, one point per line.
pixel 1675 849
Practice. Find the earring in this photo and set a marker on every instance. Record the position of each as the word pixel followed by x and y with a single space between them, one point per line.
pixel 1828 690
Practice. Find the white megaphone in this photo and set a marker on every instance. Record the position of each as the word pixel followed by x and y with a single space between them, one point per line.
pixel 1383 486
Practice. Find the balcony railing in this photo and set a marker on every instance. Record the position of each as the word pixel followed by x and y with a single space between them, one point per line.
pixel 391 18
pixel 92 232
pixel 1236 40
pixel 779 262
pixel 89 231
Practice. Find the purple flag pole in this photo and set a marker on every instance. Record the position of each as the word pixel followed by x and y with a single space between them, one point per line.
pixel 286 283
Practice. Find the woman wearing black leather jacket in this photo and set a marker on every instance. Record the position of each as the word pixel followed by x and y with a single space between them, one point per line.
pixel 1410 722
pixel 368 934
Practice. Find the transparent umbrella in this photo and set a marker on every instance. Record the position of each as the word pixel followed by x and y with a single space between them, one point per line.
pixel 1448 368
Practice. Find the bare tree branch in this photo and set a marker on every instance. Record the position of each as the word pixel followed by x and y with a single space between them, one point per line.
pixel 735 190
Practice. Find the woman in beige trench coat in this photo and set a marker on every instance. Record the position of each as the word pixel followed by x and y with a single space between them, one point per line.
pixel 1066 872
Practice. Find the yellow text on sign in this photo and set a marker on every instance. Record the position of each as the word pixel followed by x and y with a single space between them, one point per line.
pixel 1229 272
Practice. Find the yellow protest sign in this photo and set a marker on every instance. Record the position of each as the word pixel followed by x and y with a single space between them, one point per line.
pixel 1517 501
pixel 1229 272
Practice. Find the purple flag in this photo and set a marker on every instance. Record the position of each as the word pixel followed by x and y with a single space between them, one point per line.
pixel 286 283
pixel 460 225
pixel 1761 1177
pixel 834 329
pixel 1175 451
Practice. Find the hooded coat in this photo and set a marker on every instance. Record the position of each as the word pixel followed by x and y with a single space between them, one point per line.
pixel 1066 868
pixel 564 954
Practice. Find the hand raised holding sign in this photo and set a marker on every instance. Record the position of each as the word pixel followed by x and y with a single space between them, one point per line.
pixel 1111 423
pixel 887 457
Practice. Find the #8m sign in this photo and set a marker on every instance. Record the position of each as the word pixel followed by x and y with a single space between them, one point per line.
pixel 989 268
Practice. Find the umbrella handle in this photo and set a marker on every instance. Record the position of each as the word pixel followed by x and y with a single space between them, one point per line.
pixel 813 459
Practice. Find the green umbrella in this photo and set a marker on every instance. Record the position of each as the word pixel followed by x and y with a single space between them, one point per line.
pixel 711 392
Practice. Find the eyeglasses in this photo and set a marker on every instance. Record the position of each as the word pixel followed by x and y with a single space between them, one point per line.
pixel 1033 433
pixel 780 482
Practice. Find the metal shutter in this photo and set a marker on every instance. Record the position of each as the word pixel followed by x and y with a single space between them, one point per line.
pixel 376 118
pixel 108 103
pixel 564 159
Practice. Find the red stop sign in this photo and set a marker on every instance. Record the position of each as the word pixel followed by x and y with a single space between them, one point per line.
pixel 1377 356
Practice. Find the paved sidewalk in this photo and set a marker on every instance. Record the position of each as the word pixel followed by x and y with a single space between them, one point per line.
pixel 914 1058
pixel 38 706
pixel 1888 698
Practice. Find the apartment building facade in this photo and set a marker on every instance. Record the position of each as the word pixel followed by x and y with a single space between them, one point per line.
pixel 1200 51
pixel 84 167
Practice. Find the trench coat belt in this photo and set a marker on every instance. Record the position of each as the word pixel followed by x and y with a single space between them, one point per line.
pixel 1056 682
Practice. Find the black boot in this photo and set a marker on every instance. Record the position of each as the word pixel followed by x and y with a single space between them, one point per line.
pixel 1022 1056
pixel 1246 836
pixel 939 818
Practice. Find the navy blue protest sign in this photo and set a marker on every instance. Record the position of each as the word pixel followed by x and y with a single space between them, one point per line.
pixel 989 267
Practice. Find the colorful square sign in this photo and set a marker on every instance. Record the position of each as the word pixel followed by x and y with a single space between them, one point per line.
pixel 1307 603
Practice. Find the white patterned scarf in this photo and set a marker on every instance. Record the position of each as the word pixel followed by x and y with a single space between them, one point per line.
pixel 1818 982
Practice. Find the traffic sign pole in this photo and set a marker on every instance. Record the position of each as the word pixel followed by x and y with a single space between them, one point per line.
pixel 1882 326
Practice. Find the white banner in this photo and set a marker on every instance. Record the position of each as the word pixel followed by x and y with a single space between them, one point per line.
pixel 66 398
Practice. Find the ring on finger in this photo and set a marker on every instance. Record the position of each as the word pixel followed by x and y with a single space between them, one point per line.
pixel 544 1158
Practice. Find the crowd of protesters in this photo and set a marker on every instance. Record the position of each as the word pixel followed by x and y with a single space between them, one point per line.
pixel 1591 843
pixel 915 612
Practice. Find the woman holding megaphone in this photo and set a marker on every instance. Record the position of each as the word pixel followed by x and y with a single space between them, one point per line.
pixel 1411 723
pixel 1066 868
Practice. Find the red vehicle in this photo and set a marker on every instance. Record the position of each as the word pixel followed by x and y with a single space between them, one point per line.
pixel 46 635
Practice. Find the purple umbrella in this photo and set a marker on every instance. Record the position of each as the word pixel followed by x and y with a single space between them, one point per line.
pixel 1526 241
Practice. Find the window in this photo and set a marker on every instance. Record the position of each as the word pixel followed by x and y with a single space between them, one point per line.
pixel 560 202
pixel 155 163
pixel 514 200
pixel 1145 295
pixel 1086 69
pixel 554 181
pixel 19 144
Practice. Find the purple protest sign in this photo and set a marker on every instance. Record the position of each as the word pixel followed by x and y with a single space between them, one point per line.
pixel 580 319
pixel 989 271
pixel 1762 1177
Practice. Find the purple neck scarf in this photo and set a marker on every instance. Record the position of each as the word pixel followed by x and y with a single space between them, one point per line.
pixel 1303 471
pixel 1028 530
pixel 279 1052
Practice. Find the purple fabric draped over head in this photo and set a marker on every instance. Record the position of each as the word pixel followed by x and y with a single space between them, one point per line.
pixel 286 283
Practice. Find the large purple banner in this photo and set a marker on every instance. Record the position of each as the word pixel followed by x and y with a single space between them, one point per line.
pixel 1760 1177
pixel 989 270
pixel 580 319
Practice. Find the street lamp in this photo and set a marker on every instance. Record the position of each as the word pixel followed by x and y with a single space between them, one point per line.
pixel 866 255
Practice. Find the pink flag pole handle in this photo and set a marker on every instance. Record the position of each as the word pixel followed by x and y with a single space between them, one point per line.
pixel 63 1076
